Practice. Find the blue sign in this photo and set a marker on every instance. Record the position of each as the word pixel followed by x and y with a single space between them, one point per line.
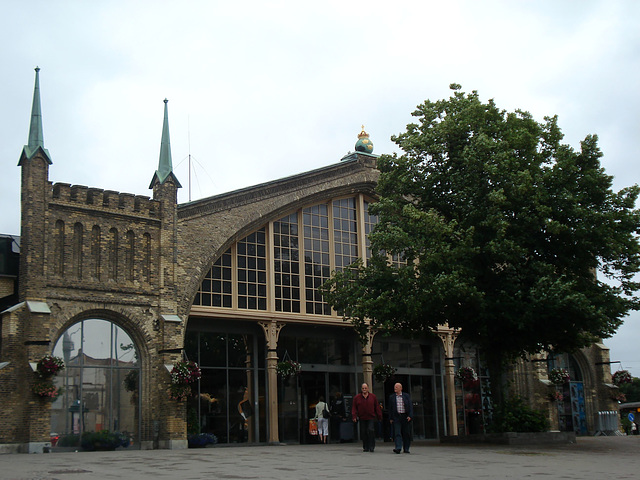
pixel 631 417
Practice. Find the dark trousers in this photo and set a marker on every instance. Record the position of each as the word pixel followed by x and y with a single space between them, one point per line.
pixel 368 434
pixel 402 433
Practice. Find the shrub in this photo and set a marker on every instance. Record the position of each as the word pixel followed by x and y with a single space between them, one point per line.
pixel 199 440
pixel 70 440
pixel 104 440
pixel 516 416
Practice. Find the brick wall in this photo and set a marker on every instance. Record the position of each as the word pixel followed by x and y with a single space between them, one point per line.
pixel 7 284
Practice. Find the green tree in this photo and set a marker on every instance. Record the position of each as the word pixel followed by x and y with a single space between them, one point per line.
pixel 502 228
pixel 631 390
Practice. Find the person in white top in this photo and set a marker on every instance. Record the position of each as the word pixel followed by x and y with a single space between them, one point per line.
pixel 322 419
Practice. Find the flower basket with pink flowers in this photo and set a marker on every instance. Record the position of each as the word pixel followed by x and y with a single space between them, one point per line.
pixel 621 377
pixel 559 376
pixel 48 366
pixel 183 374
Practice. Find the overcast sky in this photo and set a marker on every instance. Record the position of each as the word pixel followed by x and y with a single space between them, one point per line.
pixel 265 89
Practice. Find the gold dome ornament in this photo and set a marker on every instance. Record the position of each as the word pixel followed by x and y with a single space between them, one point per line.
pixel 364 144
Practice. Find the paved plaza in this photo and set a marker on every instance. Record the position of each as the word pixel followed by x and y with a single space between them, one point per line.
pixel 590 458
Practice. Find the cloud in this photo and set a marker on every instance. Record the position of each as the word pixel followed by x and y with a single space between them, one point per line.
pixel 262 90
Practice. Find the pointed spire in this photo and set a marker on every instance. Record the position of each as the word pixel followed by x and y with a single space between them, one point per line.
pixel 165 166
pixel 36 136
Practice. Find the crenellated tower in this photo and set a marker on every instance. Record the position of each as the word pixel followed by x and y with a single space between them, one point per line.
pixel 34 161
pixel 165 190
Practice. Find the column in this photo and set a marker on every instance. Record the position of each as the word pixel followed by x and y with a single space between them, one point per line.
pixel 271 333
pixel 448 336
pixel 367 361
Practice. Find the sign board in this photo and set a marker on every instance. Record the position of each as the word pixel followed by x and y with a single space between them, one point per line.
pixel 631 417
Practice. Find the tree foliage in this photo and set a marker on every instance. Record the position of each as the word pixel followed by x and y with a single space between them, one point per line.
pixel 631 390
pixel 502 227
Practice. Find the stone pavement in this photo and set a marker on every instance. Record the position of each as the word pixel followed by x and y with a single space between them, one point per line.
pixel 589 458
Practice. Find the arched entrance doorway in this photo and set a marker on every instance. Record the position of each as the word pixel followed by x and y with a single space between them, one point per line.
pixel 100 384
pixel 571 409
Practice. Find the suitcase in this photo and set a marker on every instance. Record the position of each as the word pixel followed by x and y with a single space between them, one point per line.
pixel 346 431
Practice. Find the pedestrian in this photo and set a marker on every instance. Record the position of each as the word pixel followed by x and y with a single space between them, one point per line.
pixel 366 410
pixel 322 416
pixel 400 415
pixel 338 416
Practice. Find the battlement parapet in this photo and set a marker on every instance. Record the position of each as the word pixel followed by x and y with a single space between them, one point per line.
pixel 102 200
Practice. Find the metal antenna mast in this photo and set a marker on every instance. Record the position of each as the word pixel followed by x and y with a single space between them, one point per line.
pixel 189 146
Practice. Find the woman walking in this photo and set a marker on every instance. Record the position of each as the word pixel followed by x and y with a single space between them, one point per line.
pixel 322 417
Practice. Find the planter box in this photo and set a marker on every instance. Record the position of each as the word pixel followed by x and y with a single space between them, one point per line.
pixel 513 438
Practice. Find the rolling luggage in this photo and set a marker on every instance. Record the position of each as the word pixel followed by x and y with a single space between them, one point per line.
pixel 346 431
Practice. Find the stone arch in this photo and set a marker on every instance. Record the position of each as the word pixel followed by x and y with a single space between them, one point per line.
pixel 261 213
pixel 131 323
pixel 585 369
pixel 115 393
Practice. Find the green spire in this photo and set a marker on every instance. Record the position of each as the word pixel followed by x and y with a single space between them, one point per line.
pixel 36 137
pixel 165 167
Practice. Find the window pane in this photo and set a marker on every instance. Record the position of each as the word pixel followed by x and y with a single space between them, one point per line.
pixel 316 242
pixel 240 350
pixel 252 265
pixel 212 350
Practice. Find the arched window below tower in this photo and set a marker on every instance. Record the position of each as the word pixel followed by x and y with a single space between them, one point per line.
pixel 100 385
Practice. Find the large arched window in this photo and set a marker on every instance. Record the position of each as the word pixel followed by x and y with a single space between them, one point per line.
pixel 280 266
pixel 100 384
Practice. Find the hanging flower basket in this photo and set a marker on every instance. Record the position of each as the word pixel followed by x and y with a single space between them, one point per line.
pixel 183 374
pixel 131 381
pixel 621 376
pixel 556 396
pixel 48 366
pixel 559 376
pixel 619 397
pixel 179 391
pixel 288 368
pixel 383 371
pixel 466 374
pixel 46 389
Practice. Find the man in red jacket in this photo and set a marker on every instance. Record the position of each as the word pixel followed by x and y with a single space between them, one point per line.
pixel 366 409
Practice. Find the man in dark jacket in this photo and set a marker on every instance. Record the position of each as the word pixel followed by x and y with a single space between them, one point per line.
pixel 366 410
pixel 400 415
